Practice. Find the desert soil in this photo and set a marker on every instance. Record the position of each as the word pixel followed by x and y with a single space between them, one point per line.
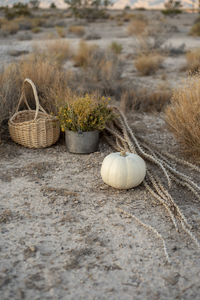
pixel 63 236
pixel 62 233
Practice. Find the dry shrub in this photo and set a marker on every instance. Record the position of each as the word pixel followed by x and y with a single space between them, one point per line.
pixel 61 31
pixel 83 54
pixel 50 36
pixel 183 116
pixel 56 51
pixel 61 92
pixel 20 23
pixel 47 76
pixel 116 48
pixel 111 17
pixel 127 99
pixel 2 21
pixel 137 27
pixel 193 60
pixel 105 67
pixel 9 27
pixel 50 80
pixel 127 17
pixel 24 23
pixel 77 30
pixel 16 53
pixel 120 23
pixel 37 22
pixel 148 64
pixel 101 69
pixel 144 100
pixel 195 30
pixel 36 30
pixel 50 22
pixel 9 93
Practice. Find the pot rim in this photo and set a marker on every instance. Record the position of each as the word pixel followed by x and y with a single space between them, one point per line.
pixel 77 131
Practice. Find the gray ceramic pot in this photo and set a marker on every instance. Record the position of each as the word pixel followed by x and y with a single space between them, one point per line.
pixel 82 142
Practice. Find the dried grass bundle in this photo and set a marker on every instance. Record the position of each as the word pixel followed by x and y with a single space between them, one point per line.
pixel 183 116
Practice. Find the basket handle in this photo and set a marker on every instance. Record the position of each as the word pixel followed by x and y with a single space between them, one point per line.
pixel 23 97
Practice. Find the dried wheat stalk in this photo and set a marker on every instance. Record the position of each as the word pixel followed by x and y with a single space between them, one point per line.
pixel 120 136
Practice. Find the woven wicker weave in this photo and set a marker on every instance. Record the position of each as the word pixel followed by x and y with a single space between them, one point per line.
pixel 33 128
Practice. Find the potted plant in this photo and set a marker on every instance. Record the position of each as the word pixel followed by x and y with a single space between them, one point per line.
pixel 82 118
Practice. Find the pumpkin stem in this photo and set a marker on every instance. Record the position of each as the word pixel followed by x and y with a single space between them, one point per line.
pixel 123 153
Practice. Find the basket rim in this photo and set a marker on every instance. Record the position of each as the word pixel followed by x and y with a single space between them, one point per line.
pixel 47 117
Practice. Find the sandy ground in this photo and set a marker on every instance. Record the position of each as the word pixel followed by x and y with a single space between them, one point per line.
pixel 63 236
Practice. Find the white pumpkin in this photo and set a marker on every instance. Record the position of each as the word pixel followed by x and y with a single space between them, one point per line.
pixel 123 170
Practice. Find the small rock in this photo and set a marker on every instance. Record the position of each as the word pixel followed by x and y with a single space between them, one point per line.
pixel 172 278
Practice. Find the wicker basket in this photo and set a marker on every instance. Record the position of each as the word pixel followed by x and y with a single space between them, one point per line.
pixel 33 128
